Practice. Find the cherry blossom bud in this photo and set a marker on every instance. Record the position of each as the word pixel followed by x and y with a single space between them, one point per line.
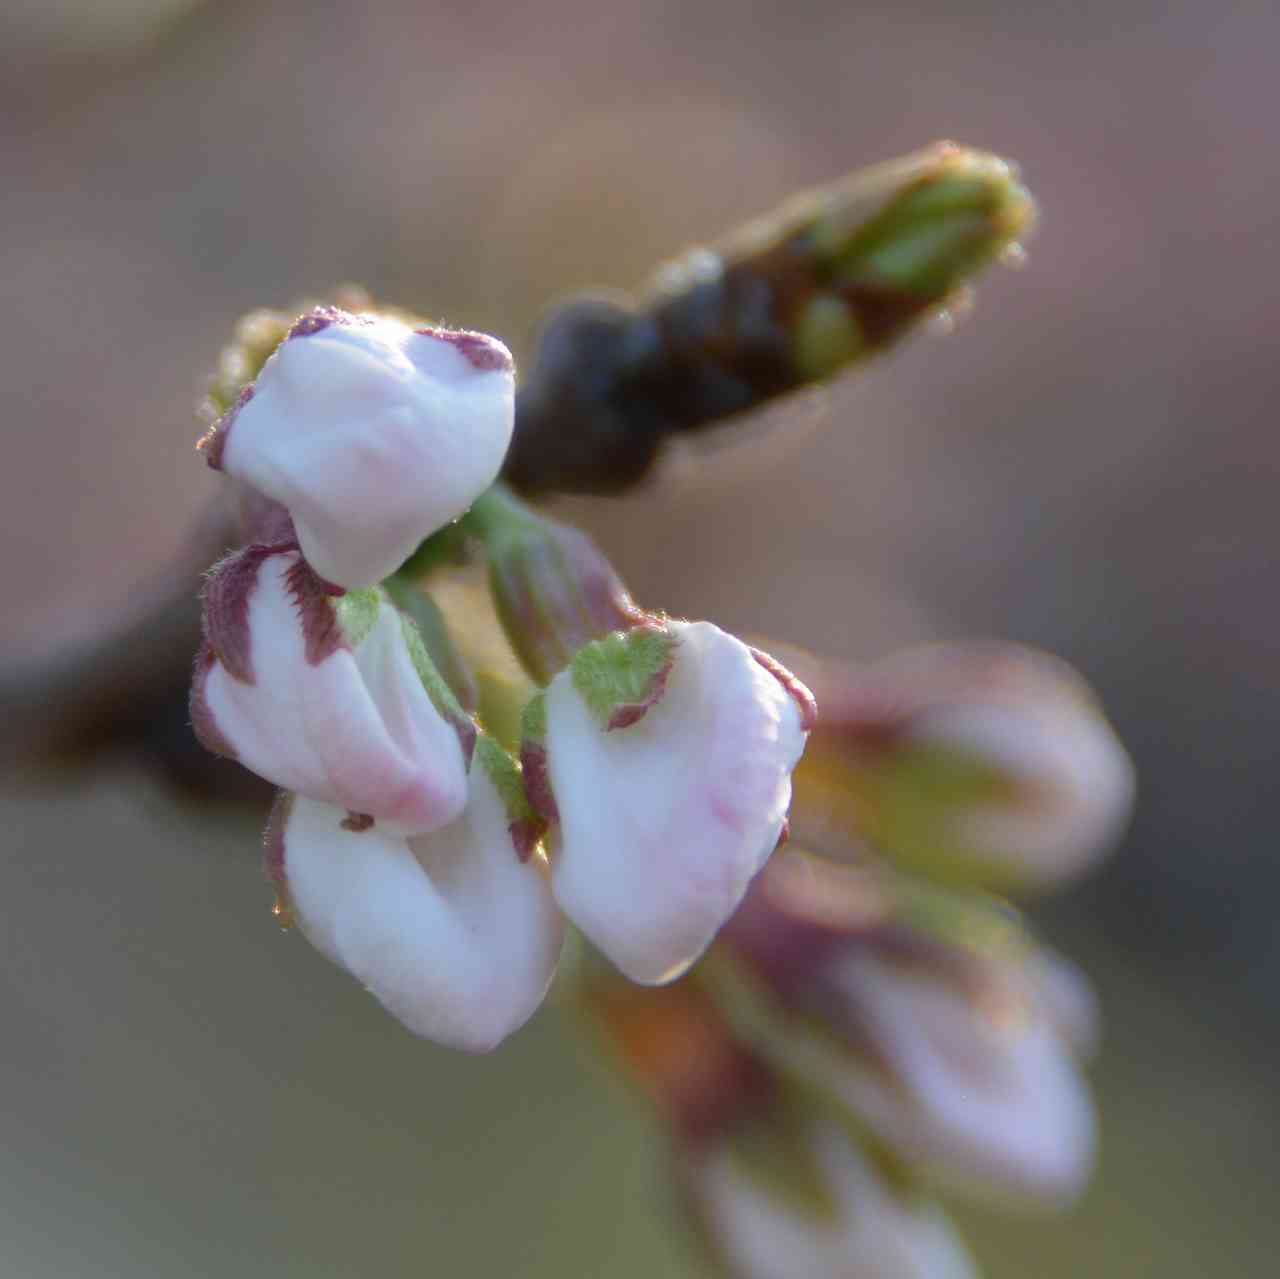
pixel 776 1186
pixel 332 696
pixel 666 753
pixel 371 433
pixel 986 764
pixel 553 590
pixel 862 1222
pixel 923 1013
pixel 455 932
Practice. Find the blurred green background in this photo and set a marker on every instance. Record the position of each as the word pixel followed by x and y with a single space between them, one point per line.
pixel 1088 464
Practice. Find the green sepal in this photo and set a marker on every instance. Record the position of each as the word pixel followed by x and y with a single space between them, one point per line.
pixel 445 547
pixel 621 676
pixel 826 336
pixel 438 690
pixel 525 826
pixel 977 924
pixel 504 773
pixel 357 612
pixel 913 800
pixel 533 719
pixel 948 222
pixel 429 618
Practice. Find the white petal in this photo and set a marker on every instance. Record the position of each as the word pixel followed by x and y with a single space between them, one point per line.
pixel 874 1235
pixel 1065 753
pixel 374 436
pixel 664 823
pixel 987 1103
pixel 450 931
pixel 1068 999
pixel 356 729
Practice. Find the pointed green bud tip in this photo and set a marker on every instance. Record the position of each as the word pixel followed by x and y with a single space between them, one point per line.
pixel 959 210
pixel 815 287
pixel 621 676
pixel 846 269
pixel 894 244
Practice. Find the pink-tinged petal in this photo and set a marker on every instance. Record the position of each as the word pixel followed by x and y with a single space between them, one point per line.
pixel 373 436
pixel 979 1092
pixel 980 763
pixel 664 822
pixel 452 932
pixel 931 1017
pixel 348 725
pixel 1066 759
pixel 876 1230
pixel 1068 999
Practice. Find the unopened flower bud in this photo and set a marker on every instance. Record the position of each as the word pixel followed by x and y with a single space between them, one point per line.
pixel 847 268
pixel 553 590
pixel 834 276
pixel 923 1013
pixel 986 764
pixel 330 695
pixel 776 1186
pixel 372 434
pixel 667 753
pixel 858 1220
pixel 454 932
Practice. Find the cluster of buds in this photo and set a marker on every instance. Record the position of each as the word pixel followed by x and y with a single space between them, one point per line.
pixel 464 765
pixel 874 1026
pixel 415 843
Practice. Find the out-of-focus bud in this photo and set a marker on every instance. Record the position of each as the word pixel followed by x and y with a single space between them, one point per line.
pixel 665 752
pixel 922 1012
pixel 255 337
pixel 984 764
pixel 553 590
pixel 776 1187
pixel 371 433
pixel 848 267
pixel 828 280
pixel 455 932
pixel 332 696
pixel 675 1043
pixel 864 1223
pixel 1068 1000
